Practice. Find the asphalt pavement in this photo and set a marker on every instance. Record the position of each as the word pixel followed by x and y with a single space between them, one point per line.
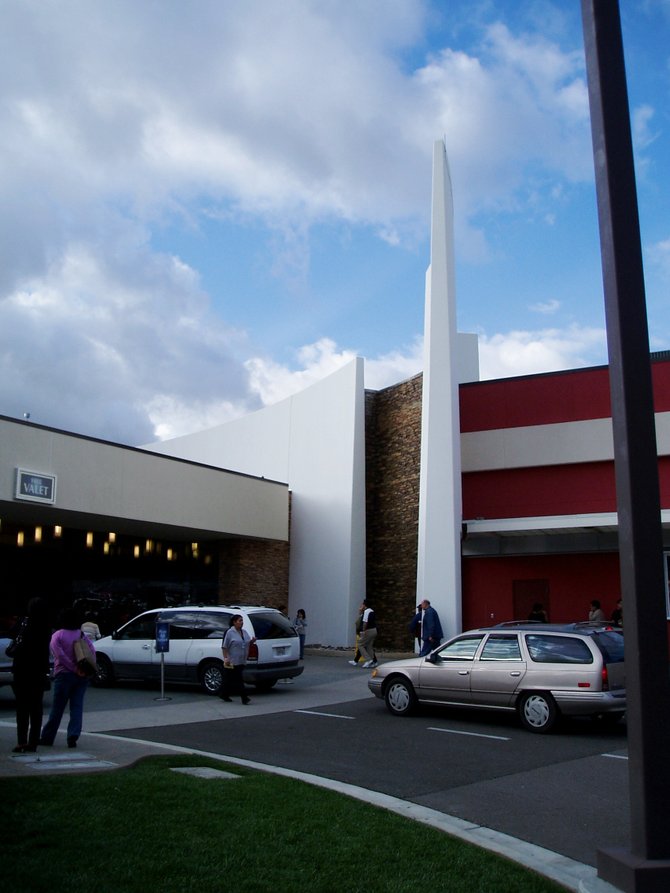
pixel 505 807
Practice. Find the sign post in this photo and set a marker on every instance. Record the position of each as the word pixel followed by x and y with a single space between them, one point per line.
pixel 162 645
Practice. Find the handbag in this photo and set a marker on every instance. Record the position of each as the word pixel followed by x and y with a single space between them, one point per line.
pixel 14 646
pixel 84 657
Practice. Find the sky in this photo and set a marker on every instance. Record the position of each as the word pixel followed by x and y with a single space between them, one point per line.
pixel 208 206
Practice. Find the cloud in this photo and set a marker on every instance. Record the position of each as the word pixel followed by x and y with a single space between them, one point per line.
pixel 501 355
pixel 272 381
pixel 659 255
pixel 546 307
pixel 119 120
pixel 546 350
pixel 103 343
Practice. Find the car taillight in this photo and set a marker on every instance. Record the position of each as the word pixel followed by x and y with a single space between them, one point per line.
pixel 253 652
pixel 606 682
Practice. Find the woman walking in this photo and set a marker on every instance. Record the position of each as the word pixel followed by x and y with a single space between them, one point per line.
pixel 30 673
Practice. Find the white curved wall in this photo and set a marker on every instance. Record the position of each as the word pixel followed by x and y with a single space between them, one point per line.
pixel 315 442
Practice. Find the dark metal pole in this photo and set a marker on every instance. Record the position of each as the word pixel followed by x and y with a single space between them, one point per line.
pixel 647 866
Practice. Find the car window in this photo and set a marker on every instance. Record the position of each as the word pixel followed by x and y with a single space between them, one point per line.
pixel 611 646
pixel 501 648
pixel 461 649
pixel 182 623
pixel 212 626
pixel 558 649
pixel 141 628
pixel 271 625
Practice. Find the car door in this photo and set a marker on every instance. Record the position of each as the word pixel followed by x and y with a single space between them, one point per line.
pixel 446 676
pixel 176 661
pixel 498 670
pixel 131 648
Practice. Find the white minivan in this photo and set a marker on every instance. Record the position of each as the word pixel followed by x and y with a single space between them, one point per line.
pixel 194 654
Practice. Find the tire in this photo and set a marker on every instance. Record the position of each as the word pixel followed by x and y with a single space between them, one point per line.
pixel 538 712
pixel 105 675
pixel 399 696
pixel 210 676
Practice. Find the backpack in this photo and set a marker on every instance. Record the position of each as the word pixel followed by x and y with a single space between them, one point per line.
pixel 84 658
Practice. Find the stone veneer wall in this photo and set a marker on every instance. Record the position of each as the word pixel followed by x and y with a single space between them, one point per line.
pixel 393 454
pixel 253 572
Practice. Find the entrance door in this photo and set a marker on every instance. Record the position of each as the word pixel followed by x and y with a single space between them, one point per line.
pixel 526 593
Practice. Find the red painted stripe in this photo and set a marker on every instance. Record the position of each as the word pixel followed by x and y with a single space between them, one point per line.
pixel 572 396
pixel 551 490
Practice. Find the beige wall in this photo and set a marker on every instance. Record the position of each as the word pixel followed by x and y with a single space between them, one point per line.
pixel 103 481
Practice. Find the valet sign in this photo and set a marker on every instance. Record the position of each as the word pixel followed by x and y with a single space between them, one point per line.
pixel 35 486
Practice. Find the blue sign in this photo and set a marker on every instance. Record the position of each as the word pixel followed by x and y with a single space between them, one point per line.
pixel 162 636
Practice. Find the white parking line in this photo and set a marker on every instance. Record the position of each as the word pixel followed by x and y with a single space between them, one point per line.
pixel 332 715
pixel 471 734
pixel 614 756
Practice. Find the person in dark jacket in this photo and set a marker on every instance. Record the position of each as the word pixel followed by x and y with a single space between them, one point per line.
pixel 431 628
pixel 31 673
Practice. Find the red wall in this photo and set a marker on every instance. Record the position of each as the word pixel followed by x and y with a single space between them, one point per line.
pixel 572 396
pixel 573 581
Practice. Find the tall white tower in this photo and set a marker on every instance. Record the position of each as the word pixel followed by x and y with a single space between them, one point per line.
pixel 440 503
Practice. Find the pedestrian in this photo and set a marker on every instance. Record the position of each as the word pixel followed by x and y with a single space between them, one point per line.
pixel 431 628
pixel 415 627
pixel 368 636
pixel 235 647
pixel 70 682
pixel 90 628
pixel 30 673
pixel 596 613
pixel 617 614
pixel 357 626
pixel 300 625
pixel 284 610
pixel 538 614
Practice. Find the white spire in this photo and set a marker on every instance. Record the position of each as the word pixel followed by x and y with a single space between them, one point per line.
pixel 440 510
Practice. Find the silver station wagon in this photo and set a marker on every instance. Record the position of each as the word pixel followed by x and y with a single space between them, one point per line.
pixel 541 671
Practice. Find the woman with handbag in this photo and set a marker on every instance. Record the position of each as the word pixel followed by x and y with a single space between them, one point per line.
pixel 30 653
pixel 70 682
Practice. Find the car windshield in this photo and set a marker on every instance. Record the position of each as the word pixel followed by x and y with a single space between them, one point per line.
pixel 271 625
pixel 610 644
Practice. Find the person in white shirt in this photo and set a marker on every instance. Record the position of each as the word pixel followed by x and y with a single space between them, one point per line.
pixel 368 635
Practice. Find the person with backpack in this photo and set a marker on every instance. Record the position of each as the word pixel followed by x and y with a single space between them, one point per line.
pixel 70 680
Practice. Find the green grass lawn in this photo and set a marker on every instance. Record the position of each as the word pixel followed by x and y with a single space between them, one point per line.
pixel 145 828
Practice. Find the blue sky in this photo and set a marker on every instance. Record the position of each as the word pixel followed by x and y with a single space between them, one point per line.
pixel 209 206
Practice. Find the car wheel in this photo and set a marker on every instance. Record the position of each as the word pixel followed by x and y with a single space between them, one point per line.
pixel 265 684
pixel 211 676
pixel 105 675
pixel 400 697
pixel 538 712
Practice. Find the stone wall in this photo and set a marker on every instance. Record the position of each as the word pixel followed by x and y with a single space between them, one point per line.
pixel 253 572
pixel 393 453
